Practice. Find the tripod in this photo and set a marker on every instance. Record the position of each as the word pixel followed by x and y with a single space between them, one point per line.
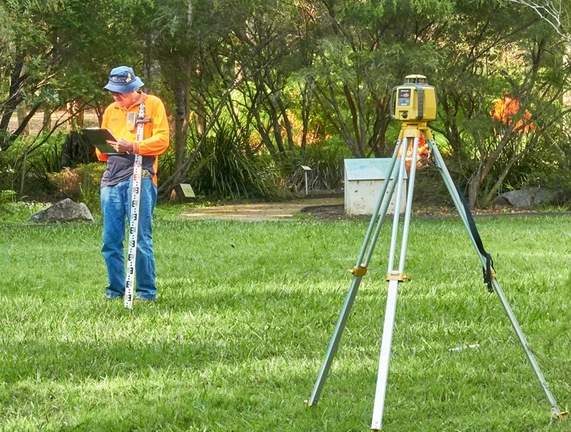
pixel 411 132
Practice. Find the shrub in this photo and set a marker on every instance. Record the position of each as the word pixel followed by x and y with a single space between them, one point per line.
pixel 7 196
pixel 226 168
pixel 24 167
pixel 326 160
pixel 80 184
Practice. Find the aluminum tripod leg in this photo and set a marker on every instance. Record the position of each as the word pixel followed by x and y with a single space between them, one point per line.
pixel 358 271
pixel 555 410
pixel 394 277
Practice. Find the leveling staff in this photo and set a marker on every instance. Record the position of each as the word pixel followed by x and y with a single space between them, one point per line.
pixel 121 118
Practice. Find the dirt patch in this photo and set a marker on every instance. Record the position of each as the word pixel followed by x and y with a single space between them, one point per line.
pixel 332 209
pixel 266 211
pixel 331 212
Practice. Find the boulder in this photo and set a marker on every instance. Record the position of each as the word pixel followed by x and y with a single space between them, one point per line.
pixel 64 211
pixel 530 197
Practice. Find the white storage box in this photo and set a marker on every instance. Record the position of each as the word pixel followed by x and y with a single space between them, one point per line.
pixel 364 180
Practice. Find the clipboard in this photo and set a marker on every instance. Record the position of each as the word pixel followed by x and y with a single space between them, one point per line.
pixel 98 137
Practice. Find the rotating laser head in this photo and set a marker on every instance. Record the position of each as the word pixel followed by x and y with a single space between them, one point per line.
pixel 415 100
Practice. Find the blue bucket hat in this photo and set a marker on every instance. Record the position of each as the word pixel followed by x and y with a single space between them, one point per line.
pixel 123 80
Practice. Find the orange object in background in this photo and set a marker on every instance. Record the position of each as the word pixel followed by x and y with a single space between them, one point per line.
pixel 506 109
pixel 423 153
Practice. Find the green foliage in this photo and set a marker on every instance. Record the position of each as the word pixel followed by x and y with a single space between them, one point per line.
pixel 548 165
pixel 7 196
pixel 80 184
pixel 48 158
pixel 8 175
pixel 226 168
pixel 15 164
pixel 326 160
pixel 344 55
pixel 17 212
pixel 166 165
pixel 31 160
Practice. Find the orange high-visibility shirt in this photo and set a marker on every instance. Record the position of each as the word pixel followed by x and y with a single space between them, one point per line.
pixel 121 122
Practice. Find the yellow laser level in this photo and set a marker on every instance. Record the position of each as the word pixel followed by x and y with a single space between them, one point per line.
pixel 414 100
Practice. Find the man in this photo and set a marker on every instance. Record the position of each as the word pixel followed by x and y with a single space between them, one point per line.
pixel 121 118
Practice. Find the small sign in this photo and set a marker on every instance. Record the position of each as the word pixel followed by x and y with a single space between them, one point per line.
pixel 306 168
pixel 182 193
pixel 187 191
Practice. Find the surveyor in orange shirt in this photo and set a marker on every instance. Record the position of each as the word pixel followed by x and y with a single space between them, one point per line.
pixel 121 118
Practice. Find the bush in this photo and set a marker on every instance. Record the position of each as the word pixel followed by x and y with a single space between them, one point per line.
pixel 326 160
pixel 80 184
pixel 7 196
pixel 226 168
pixel 25 165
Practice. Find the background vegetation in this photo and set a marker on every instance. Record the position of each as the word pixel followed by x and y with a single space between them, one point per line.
pixel 274 79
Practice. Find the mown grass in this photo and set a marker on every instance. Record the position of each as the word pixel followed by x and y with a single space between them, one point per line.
pixel 244 316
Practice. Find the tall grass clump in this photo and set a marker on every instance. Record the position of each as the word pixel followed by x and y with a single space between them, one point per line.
pixel 326 160
pixel 227 168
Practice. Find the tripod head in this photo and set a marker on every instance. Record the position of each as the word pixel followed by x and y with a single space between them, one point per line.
pixel 415 100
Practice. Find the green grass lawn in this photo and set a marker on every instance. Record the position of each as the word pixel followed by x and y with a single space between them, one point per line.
pixel 244 316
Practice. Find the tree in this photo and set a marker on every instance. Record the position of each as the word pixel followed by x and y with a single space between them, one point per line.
pixel 54 52
pixel 495 50
pixel 274 70
pixel 553 12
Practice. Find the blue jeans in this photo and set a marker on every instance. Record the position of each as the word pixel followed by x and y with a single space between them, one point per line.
pixel 116 211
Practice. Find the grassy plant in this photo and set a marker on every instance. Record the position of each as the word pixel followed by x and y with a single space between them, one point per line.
pixel 226 168
pixel 326 162
pixel 19 212
pixel 244 315
pixel 7 196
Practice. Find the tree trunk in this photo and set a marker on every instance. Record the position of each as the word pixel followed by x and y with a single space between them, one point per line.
pixel 287 124
pixel 14 98
pixel 327 99
pixel 181 96
pixel 47 119
pixel 474 189
pixel 21 112
pixel 75 114
pixel 306 99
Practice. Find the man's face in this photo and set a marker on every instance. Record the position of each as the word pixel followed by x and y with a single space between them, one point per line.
pixel 125 100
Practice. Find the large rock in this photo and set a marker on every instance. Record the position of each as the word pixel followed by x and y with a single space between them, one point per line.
pixel 64 211
pixel 530 197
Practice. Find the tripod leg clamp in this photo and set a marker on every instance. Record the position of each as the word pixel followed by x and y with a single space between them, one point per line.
pixel 359 271
pixel 395 275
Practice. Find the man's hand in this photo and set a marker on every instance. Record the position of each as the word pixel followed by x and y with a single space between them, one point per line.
pixel 122 146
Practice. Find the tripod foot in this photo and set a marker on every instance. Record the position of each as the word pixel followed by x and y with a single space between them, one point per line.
pixel 559 415
pixel 308 403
